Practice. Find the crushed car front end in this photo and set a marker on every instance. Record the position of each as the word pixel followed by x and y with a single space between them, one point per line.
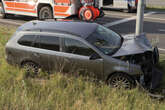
pixel 139 51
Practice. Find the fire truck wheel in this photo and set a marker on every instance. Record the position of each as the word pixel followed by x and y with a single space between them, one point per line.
pixel 86 14
pixel 128 10
pixel 45 13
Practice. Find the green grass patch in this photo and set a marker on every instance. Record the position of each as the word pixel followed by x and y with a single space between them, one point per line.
pixel 64 93
pixel 156 8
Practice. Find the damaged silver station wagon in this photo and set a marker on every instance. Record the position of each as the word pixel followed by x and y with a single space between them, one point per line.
pixel 90 47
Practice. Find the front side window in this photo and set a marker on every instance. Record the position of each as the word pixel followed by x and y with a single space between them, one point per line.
pixel 77 47
pixel 26 40
pixel 48 42
pixel 105 40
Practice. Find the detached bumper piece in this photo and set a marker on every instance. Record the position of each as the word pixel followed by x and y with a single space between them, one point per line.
pixel 156 78
pixel 151 81
pixel 151 78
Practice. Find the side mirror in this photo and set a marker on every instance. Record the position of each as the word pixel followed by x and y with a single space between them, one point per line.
pixel 94 56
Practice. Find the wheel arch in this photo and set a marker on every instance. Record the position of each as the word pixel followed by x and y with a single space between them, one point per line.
pixel 28 60
pixel 111 74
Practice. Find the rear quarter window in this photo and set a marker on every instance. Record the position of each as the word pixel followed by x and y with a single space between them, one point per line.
pixel 26 40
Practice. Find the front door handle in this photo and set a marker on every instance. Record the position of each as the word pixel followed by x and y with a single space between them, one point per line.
pixel 66 60
pixel 36 55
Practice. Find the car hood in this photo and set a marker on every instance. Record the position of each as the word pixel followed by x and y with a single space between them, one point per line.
pixel 134 45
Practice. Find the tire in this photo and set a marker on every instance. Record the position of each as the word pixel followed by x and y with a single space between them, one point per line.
pixel 121 80
pixel 45 13
pixel 129 10
pixel 86 14
pixel 31 69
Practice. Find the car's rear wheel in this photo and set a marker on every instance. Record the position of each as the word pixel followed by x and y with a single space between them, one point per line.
pixel 121 80
pixel 45 13
pixel 31 69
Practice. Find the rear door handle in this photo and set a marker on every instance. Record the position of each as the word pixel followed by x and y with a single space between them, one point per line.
pixel 66 60
pixel 36 54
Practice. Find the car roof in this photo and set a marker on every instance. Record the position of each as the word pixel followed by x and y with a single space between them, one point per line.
pixel 81 29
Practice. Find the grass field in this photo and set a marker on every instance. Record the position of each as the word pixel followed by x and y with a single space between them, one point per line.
pixel 64 93
pixel 161 9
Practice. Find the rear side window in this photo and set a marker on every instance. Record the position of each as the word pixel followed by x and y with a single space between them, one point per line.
pixel 48 42
pixel 26 40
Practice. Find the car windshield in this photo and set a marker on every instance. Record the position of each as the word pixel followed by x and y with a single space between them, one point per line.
pixel 105 40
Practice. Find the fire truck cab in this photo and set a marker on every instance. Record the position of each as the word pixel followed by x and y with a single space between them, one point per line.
pixel 47 9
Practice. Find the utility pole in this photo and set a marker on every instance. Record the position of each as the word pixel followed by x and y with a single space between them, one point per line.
pixel 140 17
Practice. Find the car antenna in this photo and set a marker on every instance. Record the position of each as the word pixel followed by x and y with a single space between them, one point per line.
pixel 34 23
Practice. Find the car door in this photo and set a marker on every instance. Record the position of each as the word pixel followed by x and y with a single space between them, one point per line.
pixel 26 50
pixel 49 52
pixel 77 58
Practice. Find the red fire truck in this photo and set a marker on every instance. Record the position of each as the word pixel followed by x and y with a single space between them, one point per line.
pixel 47 9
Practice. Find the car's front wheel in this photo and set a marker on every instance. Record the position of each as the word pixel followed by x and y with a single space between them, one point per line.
pixel 121 80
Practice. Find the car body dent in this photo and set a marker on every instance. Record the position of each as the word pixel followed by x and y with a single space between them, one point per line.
pixel 134 45
pixel 112 65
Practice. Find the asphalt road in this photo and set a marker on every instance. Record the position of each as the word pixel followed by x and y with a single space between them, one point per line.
pixel 154 26
pixel 123 23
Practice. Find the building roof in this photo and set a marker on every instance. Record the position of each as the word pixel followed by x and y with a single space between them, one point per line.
pixel 81 29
